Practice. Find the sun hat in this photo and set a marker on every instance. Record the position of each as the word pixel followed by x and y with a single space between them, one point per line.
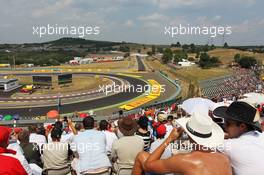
pixel 127 126
pixel 202 130
pixel 162 117
pixel 242 112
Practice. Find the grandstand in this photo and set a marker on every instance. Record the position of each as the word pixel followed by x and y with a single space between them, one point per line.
pixel 240 82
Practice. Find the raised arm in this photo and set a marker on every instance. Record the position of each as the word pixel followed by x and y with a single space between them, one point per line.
pixel 172 164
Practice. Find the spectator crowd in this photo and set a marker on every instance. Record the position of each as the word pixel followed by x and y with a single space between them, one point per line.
pixel 155 141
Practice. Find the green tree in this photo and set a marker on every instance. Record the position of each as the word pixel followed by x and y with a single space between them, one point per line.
pixel 226 45
pixel 206 61
pixel 185 47
pixel 160 49
pixel 149 53
pixel 247 62
pixel 193 48
pixel 153 49
pixel 197 54
pixel 237 58
pixel 212 47
pixel 206 48
pixel 179 55
pixel 167 55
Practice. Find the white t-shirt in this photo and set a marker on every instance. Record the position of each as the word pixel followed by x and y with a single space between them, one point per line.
pixel 65 138
pixel 37 138
pixel 20 156
pixel 169 128
pixel 167 152
pixel 110 138
pixel 246 153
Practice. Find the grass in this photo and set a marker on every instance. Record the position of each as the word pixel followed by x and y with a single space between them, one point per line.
pixel 188 75
pixel 80 83
pixel 226 56
pixel 195 73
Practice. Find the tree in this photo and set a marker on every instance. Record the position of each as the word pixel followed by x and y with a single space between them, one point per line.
pixel 226 45
pixel 206 61
pixel 247 62
pixel 206 48
pixel 178 44
pixel 185 47
pixel 153 49
pixel 167 55
pixel 212 47
pixel 127 55
pixel 179 55
pixel 237 58
pixel 160 49
pixel 197 54
pixel 149 53
pixel 193 48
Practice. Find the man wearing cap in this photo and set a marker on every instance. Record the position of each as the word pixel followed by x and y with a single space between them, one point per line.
pixel 161 132
pixel 126 148
pixel 9 164
pixel 245 143
pixel 205 136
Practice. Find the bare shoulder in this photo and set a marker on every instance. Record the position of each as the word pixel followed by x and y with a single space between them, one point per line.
pixel 199 159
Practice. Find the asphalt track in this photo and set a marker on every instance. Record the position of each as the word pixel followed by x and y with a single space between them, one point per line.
pixel 79 106
pixel 141 66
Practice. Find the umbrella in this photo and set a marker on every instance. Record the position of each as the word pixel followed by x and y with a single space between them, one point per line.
pixel 16 117
pixel 1 117
pixel 8 117
pixel 198 104
pixel 83 115
pixel 254 98
pixel 53 114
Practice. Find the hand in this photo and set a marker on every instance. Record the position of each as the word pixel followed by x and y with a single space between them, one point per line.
pixel 69 120
pixel 175 133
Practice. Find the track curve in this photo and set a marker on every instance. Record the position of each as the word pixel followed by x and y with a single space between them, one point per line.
pixel 79 106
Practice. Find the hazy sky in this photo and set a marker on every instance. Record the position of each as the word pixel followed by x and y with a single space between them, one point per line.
pixel 141 21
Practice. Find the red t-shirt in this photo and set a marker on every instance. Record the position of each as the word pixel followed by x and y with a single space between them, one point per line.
pixel 10 165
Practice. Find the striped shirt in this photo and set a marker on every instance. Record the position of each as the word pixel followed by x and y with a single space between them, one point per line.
pixel 146 138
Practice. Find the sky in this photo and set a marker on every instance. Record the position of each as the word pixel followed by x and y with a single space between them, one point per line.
pixel 140 21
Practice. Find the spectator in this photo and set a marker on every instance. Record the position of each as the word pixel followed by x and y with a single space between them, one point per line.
pixel 161 132
pixel 31 150
pixel 41 130
pixel 143 132
pixel 9 163
pixel 169 125
pixel 262 126
pixel 65 127
pixel 56 155
pixel 89 149
pixel 110 136
pixel 245 146
pixel 78 127
pixel 205 136
pixel 36 138
pixel 123 153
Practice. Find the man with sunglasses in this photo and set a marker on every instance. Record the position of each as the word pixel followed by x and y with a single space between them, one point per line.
pixel 245 141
